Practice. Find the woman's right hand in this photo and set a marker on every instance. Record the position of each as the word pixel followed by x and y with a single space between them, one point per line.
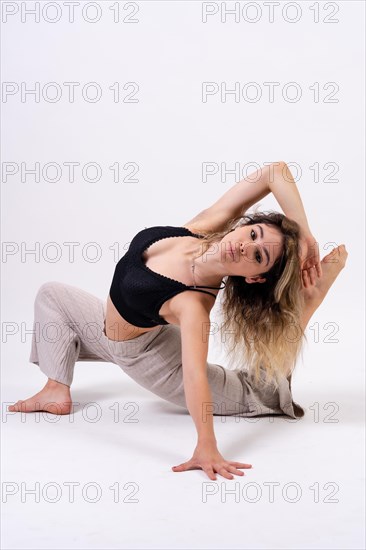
pixel 206 457
pixel 314 288
pixel 309 254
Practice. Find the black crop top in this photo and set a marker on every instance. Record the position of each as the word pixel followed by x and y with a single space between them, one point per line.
pixel 137 292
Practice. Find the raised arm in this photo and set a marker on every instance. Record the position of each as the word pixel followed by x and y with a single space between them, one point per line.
pixel 237 200
pixel 275 178
pixel 284 188
pixel 194 323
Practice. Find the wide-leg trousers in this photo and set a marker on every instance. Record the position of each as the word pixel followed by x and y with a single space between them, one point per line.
pixel 69 326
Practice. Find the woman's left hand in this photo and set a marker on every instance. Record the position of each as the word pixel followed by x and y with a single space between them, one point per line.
pixel 309 253
pixel 207 457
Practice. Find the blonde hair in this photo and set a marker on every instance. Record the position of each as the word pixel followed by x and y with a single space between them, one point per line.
pixel 263 320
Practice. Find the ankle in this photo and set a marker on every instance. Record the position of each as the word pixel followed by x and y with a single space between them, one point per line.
pixel 54 384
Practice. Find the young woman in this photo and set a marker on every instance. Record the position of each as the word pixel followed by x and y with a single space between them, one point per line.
pixel 156 321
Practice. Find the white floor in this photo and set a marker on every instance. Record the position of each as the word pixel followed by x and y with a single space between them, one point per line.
pixel 305 489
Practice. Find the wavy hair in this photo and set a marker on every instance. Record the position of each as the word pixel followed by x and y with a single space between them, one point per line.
pixel 261 321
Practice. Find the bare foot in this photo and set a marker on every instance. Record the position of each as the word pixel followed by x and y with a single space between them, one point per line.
pixel 54 398
pixel 315 288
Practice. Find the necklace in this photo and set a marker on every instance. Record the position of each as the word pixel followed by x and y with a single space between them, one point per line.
pixel 193 267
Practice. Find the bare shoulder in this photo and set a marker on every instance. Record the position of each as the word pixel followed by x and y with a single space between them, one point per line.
pixel 192 304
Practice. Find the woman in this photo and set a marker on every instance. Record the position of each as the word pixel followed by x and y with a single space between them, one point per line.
pixel 275 282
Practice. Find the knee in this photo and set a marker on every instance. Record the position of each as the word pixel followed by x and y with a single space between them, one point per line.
pixel 47 290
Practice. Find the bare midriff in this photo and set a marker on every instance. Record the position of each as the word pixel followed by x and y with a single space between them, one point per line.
pixel 117 328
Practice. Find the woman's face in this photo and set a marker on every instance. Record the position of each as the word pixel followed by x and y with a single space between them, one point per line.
pixel 251 250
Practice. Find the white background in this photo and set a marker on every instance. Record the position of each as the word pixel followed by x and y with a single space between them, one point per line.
pixel 169 133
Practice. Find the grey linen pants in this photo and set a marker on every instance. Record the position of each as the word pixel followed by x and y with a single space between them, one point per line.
pixel 69 326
